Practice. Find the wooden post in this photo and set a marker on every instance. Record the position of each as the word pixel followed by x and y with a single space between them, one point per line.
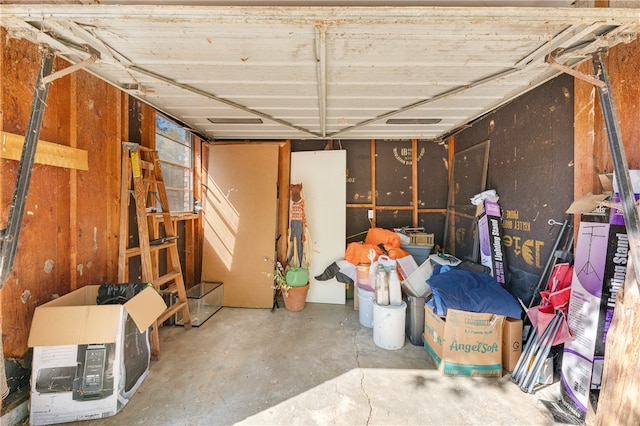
pixel 414 182
pixel 284 170
pixel 73 184
pixel 620 392
pixel 372 145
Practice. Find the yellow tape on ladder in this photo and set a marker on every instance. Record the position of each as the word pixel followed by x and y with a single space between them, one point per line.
pixel 135 164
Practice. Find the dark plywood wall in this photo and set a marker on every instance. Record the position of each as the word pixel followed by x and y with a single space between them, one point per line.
pixel 433 169
pixel 395 179
pixel 381 177
pixel 468 174
pixel 432 174
pixel 359 191
pixel 358 171
pixel 531 167
pixel 393 176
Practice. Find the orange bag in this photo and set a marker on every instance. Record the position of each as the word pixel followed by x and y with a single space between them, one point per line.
pixel 358 253
pixel 377 236
pixel 396 252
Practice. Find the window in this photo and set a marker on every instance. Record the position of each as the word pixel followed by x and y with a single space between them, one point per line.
pixel 175 150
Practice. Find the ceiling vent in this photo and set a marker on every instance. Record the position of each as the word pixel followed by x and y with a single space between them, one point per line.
pixel 235 120
pixel 414 120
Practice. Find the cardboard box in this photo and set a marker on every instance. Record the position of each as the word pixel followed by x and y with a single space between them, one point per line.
pixel 88 359
pixel 511 343
pixel 465 343
pixel 433 334
pixel 492 253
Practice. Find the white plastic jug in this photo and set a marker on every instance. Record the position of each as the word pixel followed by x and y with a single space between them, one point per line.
pixel 382 286
pixel 395 292
pixel 386 261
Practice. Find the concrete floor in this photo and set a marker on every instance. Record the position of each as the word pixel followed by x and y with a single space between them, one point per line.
pixel 316 366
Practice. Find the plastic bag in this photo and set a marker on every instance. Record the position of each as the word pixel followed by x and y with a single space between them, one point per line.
pixel 358 253
pixel 377 236
pixel 118 294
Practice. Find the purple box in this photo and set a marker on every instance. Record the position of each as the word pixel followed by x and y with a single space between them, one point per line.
pixel 617 218
pixel 492 253
pixel 600 268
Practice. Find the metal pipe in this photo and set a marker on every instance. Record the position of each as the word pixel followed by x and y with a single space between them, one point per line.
pixel 545 352
pixel 527 367
pixel 321 72
pixel 552 257
pixel 541 355
pixel 620 166
pixel 526 355
pixel 9 236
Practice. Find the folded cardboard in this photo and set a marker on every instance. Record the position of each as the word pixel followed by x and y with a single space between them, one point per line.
pixel 511 343
pixel 88 359
pixel 492 253
pixel 465 343
pixel 586 203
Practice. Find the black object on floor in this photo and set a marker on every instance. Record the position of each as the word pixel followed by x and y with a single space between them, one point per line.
pixel 560 415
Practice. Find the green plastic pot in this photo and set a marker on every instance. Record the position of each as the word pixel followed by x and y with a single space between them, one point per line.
pixel 297 277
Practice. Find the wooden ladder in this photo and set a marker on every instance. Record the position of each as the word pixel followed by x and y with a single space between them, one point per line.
pixel 142 165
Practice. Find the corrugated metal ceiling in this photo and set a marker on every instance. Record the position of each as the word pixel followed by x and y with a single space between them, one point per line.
pixel 312 72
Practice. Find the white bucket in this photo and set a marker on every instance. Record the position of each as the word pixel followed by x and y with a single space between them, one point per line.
pixel 365 307
pixel 388 325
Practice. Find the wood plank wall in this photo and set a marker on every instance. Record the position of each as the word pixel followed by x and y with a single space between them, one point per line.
pixel 69 237
pixel 591 149
pixel 65 241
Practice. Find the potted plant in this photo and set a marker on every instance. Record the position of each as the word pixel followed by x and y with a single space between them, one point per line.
pixel 297 279
pixel 292 284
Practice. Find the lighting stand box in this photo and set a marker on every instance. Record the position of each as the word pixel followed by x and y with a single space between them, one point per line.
pixel 600 268
pixel 492 253
pixel 88 359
